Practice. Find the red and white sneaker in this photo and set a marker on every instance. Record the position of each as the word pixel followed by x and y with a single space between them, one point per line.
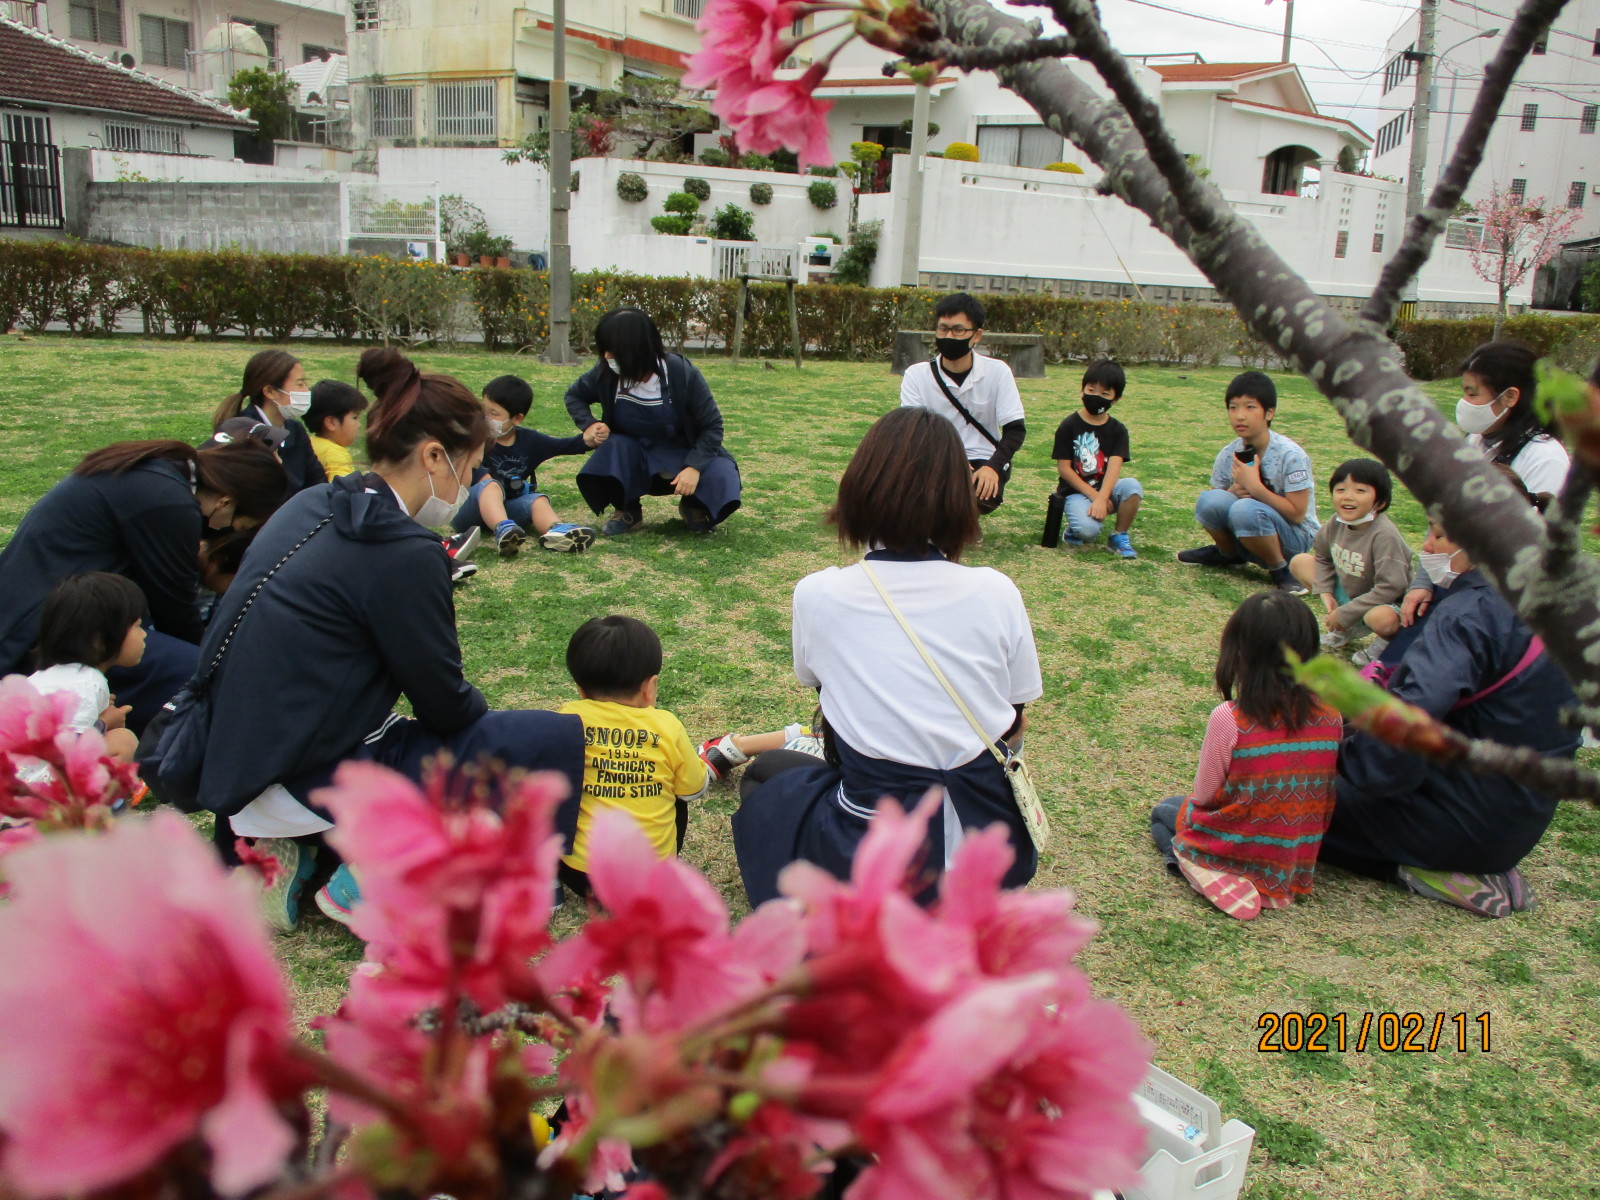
pixel 464 545
pixel 721 756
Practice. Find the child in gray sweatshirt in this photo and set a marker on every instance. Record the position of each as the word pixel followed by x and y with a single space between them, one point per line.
pixel 1359 564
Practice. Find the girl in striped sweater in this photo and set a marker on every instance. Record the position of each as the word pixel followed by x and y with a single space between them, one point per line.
pixel 1247 837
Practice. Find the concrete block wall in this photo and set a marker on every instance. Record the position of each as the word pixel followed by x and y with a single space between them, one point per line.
pixel 276 218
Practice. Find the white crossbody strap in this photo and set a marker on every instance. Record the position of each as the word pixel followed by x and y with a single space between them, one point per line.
pixel 928 658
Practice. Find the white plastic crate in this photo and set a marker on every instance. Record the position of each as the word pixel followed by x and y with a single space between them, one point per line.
pixel 1195 1155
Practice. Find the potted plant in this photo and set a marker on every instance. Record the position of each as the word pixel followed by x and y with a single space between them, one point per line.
pixel 500 251
pixel 475 245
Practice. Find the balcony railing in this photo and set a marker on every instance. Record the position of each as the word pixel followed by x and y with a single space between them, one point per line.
pixel 688 8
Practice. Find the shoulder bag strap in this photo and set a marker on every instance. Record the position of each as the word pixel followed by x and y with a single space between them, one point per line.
pixel 961 408
pixel 201 680
pixel 932 666
pixel 1535 648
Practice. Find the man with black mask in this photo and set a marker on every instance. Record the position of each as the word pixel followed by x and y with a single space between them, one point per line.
pixel 975 392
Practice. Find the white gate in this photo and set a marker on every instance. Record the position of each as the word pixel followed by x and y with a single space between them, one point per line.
pixel 750 258
pixel 391 212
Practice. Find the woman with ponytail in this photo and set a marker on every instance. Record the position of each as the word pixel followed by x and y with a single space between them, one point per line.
pixel 357 612
pixel 275 391
pixel 137 509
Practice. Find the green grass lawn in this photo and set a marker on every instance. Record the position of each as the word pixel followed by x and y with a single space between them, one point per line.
pixel 1127 649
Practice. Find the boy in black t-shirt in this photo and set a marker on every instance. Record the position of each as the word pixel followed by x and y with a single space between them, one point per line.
pixel 1091 447
pixel 504 497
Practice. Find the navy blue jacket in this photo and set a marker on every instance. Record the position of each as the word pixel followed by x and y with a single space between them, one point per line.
pixel 300 461
pixel 358 616
pixel 1426 815
pixel 513 467
pixel 143 523
pixel 691 397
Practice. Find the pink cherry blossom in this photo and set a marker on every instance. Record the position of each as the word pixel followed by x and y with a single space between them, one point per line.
pixel 739 34
pixel 29 719
pixel 142 1005
pixel 784 113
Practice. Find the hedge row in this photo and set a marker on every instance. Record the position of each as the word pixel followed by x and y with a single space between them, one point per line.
pixel 190 293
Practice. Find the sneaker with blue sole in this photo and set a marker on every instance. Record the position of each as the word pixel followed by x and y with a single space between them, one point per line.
pixel 1071 539
pixel 339 896
pixel 567 539
pixel 280 903
pixel 1121 545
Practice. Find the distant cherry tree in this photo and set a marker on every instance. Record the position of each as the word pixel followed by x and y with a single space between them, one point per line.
pixel 1520 235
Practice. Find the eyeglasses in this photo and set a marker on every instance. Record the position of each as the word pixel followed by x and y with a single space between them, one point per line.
pixel 954 330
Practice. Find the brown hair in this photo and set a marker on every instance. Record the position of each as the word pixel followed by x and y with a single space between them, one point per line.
pixel 266 368
pixel 124 456
pixel 908 485
pixel 1251 669
pixel 247 471
pixel 412 407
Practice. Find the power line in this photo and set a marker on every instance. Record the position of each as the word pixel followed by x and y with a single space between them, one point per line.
pixel 1278 33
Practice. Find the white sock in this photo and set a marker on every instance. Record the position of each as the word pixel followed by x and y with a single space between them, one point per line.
pixel 734 755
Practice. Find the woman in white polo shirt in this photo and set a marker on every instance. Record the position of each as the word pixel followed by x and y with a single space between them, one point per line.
pixel 892 729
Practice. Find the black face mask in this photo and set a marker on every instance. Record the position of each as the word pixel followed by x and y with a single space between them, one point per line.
pixel 1095 405
pixel 953 349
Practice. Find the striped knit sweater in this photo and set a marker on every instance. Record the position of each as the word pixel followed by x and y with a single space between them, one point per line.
pixel 1267 818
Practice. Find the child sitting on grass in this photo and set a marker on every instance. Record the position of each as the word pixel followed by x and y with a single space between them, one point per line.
pixel 636 757
pixel 334 420
pixel 1247 837
pixel 91 623
pixel 1359 563
pixel 505 498
pixel 1090 452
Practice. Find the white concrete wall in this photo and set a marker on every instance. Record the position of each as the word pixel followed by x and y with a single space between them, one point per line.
pixel 515 197
pixel 109 166
pixel 88 129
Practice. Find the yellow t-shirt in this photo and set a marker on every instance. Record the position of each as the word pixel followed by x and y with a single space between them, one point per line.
pixel 639 760
pixel 335 459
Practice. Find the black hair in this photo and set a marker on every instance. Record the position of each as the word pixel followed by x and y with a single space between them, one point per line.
pixel 510 392
pixel 1251 670
pixel 1502 365
pixel 1105 373
pixel 1368 471
pixel 611 657
pixel 630 337
pixel 962 305
pixel 225 553
pixel 86 618
pixel 1257 385
pixel 332 400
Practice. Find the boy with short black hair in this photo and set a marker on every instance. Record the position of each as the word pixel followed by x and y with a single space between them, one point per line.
pixel 636 757
pixel 1260 507
pixel 334 422
pixel 504 497
pixel 1091 448
pixel 974 392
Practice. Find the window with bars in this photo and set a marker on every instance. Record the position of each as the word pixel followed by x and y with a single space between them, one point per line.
pixel 1019 145
pixel 1519 188
pixel 146 139
pixel 465 110
pixel 364 15
pixel 1575 193
pixel 1590 118
pixel 1530 117
pixel 1377 243
pixel 269 35
pixel 1392 134
pixel 1341 243
pixel 162 42
pixel 97 21
pixel 1398 69
pixel 394 112
pixel 688 8
pixel 1462 235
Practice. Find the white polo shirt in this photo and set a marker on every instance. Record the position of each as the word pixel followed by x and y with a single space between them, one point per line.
pixel 989 393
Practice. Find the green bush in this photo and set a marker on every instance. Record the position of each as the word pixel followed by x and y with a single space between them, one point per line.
pixel 632 187
pixel 961 151
pixel 734 224
pixel 825 172
pixel 1064 168
pixel 866 152
pixel 712 157
pixel 1435 348
pixel 756 162
pixel 760 193
pixel 854 266
pixel 698 188
pixel 822 194
pixel 682 203
pixel 673 223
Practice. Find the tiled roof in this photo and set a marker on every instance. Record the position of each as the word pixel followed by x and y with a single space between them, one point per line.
pixel 41 69
pixel 1208 72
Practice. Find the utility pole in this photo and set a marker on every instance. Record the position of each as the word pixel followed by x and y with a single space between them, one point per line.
pixel 560 349
pixel 1288 28
pixel 1416 173
pixel 911 241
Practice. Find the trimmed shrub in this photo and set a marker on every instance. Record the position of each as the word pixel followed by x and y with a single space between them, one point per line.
pixel 907 126
pixel 734 224
pixel 760 193
pixel 822 194
pixel 682 203
pixel 632 187
pixel 934 154
pixel 712 157
pixel 866 152
pixel 1435 348
pixel 854 266
pixel 698 188
pixel 674 223
pixel 756 162
pixel 961 151
pixel 1065 168
pixel 825 172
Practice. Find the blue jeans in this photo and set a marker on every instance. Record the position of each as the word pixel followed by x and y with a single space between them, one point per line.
pixel 1243 518
pixel 518 508
pixel 1084 527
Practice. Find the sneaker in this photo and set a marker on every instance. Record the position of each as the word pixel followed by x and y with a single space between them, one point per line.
pixel 622 520
pixel 1071 539
pixel 1208 556
pixel 1121 545
pixel 462 546
pixel 338 897
pixel 1333 639
pixel 696 516
pixel 1491 896
pixel 567 539
pixel 721 756
pixel 462 572
pixel 1371 654
pixel 1283 579
pixel 508 539
pixel 280 903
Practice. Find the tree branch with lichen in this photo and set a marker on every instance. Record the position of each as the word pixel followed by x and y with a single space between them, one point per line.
pixel 942 52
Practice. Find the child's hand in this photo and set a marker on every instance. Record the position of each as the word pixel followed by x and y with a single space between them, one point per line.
pixel 114 717
pixel 1098 508
pixel 595 434
pixel 1247 475
pixel 1332 623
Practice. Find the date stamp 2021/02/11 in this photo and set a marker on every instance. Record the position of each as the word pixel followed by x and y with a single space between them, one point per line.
pixel 1390 1032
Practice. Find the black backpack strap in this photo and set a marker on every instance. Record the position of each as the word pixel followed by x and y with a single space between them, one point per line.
pixel 961 408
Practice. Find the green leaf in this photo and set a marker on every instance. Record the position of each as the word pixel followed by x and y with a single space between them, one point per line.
pixel 1559 393
pixel 1336 682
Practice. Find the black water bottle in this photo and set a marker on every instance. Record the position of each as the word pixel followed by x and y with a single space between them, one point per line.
pixel 1053 508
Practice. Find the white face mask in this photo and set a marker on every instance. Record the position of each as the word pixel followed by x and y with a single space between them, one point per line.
pixel 1476 418
pixel 496 428
pixel 434 511
pixel 297 405
pixel 1437 567
pixel 1370 517
pixel 612 363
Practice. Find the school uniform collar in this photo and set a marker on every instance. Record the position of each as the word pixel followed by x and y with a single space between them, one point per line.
pixel 931 554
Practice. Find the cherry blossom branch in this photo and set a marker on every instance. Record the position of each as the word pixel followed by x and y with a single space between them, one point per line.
pixel 1532 18
pixel 944 52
